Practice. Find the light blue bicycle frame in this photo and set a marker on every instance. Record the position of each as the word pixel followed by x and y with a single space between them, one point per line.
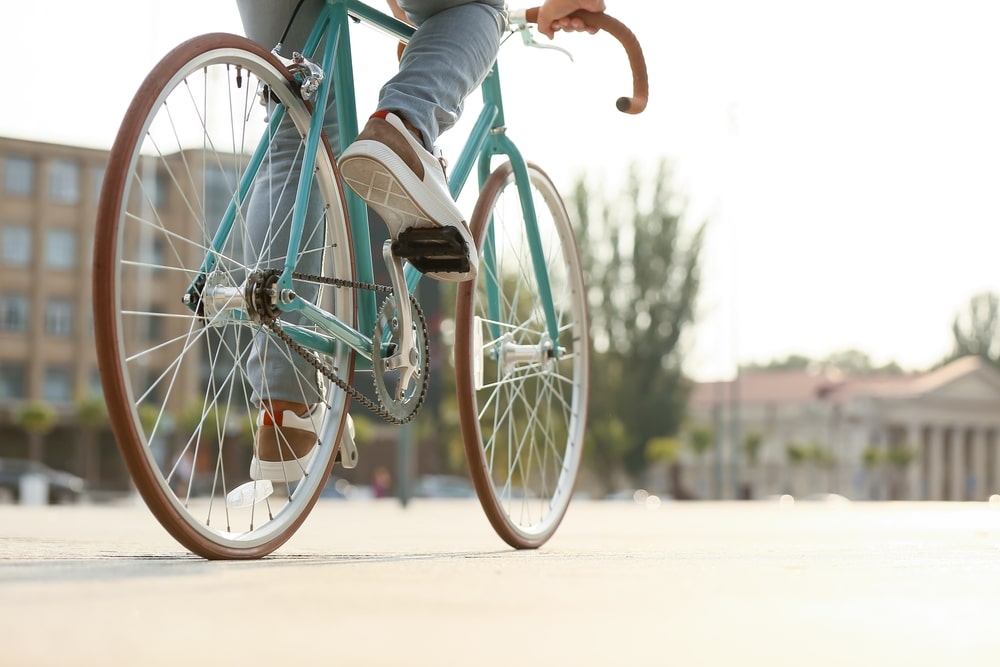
pixel 486 140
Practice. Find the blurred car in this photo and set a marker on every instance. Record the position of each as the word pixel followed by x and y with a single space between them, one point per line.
pixel 63 487
pixel 443 486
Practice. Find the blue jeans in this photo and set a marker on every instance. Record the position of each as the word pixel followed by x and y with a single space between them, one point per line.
pixel 447 58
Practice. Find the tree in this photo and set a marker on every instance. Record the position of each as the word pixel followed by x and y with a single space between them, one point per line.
pixel 667 450
pixel 900 458
pixel 91 415
pixel 977 330
pixel 36 418
pixel 873 458
pixel 798 454
pixel 644 278
pixel 751 445
pixel 850 360
pixel 699 439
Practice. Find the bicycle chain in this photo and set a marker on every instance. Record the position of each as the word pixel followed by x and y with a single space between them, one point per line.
pixel 374 406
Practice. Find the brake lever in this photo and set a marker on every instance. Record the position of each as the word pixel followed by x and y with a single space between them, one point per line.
pixel 519 23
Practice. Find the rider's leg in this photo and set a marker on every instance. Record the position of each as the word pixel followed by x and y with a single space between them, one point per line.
pixel 284 384
pixel 444 62
pixel 391 165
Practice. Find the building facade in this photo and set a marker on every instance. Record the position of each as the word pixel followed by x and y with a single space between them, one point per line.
pixel 48 206
pixel 928 436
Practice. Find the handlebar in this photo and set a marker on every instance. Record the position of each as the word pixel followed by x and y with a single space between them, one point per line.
pixel 640 79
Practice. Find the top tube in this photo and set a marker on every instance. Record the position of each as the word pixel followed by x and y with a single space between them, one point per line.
pixel 377 18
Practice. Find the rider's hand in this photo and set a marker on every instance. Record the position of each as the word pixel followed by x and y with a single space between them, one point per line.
pixel 554 15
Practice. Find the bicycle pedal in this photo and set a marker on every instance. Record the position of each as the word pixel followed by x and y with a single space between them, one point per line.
pixel 433 249
pixel 249 494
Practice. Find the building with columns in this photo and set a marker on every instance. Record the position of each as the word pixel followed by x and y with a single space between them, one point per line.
pixel 927 436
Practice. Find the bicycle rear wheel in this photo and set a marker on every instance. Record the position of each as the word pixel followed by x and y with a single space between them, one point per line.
pixel 183 366
pixel 522 395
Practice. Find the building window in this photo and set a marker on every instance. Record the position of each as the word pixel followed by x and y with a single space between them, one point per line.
pixel 59 317
pixel 220 184
pixel 64 182
pixel 96 388
pixel 15 245
pixel 13 313
pixel 98 180
pixel 154 324
pixel 60 249
pixel 155 183
pixel 12 381
pixel 58 384
pixel 19 177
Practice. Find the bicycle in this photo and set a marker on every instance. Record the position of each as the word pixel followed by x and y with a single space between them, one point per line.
pixel 182 295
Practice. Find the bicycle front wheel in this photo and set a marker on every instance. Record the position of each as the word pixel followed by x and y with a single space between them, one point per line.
pixel 523 391
pixel 193 227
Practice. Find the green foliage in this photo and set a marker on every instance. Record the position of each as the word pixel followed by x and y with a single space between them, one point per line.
pixel 900 456
pixel 605 445
pixel 793 362
pixel 644 276
pixel 872 457
pixel 700 438
pixel 36 417
pixel 751 445
pixel 797 453
pixel 91 412
pixel 663 449
pixel 148 416
pixel 817 455
pixel 850 361
pixel 200 416
pixel 364 428
pixel 977 330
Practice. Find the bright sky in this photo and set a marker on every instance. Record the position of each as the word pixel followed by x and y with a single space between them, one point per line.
pixel 847 153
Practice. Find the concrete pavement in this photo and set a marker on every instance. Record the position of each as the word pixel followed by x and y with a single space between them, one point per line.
pixel 371 583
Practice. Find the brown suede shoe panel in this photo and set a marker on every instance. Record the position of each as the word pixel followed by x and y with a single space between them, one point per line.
pixel 381 131
pixel 285 445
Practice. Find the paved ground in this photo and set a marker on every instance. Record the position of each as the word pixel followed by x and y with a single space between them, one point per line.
pixel 371 583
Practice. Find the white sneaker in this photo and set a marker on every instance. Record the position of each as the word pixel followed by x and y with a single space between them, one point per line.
pixel 391 170
pixel 289 443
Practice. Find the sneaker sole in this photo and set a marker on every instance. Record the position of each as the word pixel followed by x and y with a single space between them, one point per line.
pixel 371 174
pixel 289 470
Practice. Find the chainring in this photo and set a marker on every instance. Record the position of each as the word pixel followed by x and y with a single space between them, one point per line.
pixel 401 397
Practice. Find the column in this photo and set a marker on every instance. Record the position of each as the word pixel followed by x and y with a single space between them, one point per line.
pixel 993 442
pixel 956 463
pixel 935 463
pixel 979 463
pixel 915 471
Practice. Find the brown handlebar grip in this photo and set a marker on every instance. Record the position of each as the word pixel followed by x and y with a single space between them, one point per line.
pixel 640 78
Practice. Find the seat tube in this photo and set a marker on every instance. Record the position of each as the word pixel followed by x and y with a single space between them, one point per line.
pixel 347 125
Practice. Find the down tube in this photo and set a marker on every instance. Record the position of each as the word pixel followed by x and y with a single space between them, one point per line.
pixel 500 144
